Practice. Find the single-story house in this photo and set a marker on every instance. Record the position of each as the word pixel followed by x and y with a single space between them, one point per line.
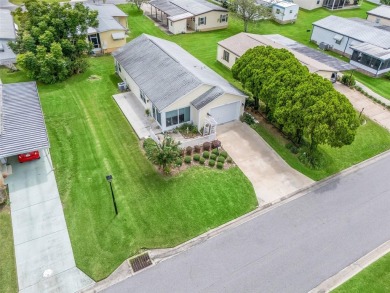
pixel 368 46
pixel 232 48
pixel 380 14
pixel 22 125
pixel 282 11
pixel 111 32
pixel 7 34
pixel 175 86
pixel 330 4
pixel 182 16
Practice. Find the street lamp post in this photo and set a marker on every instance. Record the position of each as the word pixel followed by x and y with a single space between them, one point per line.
pixel 109 179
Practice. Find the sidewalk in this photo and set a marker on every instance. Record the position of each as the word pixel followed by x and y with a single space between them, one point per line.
pixel 43 252
pixel 374 94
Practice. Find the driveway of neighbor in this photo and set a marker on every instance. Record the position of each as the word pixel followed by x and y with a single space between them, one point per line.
pixel 271 177
pixel 372 110
pixel 43 252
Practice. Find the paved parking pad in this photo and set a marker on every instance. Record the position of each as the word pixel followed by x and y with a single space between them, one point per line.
pixel 43 252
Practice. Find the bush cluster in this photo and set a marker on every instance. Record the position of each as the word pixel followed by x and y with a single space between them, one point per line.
pixel 213 157
pixel 206 146
pixel 224 154
pixel 348 80
pixel 202 160
pixel 211 163
pixel 187 159
pixel 196 157
pixel 215 152
pixel 219 165
pixel 247 118
pixel 206 155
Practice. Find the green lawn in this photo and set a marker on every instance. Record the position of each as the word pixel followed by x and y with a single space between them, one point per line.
pixel 371 139
pixel 374 279
pixel 20 2
pixel 379 85
pixel 90 138
pixel 8 279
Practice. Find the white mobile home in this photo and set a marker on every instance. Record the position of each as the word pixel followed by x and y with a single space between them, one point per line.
pixel 175 86
pixel 380 15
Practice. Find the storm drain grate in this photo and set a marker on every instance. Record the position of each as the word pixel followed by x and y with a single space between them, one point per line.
pixel 140 262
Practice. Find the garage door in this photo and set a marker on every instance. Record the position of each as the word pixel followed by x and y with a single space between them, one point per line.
pixel 226 113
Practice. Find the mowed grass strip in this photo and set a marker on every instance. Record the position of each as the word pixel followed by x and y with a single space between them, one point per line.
pixel 8 278
pixel 374 279
pixel 90 138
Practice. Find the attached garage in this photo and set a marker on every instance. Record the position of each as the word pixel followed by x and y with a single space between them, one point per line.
pixel 226 113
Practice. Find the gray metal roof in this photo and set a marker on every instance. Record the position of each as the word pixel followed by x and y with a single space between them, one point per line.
pixel 167 7
pixel 106 14
pixel 24 127
pixel 207 97
pixel 372 50
pixel 7 28
pixel 355 30
pixel 381 11
pixel 165 72
pixel 177 7
pixel 7 56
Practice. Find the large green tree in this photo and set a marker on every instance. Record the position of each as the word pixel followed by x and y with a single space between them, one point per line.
pixel 249 10
pixel 386 2
pixel 52 40
pixel 304 105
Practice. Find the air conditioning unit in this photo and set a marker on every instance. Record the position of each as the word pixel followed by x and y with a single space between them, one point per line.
pixel 324 46
pixel 122 86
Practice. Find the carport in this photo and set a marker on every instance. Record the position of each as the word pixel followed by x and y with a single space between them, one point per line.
pixel 22 125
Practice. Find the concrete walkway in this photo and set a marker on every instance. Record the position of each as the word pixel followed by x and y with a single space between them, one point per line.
pixel 372 110
pixel 271 176
pixel 135 113
pixel 43 252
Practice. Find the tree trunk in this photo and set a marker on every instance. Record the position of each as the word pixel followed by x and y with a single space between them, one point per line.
pixel 245 25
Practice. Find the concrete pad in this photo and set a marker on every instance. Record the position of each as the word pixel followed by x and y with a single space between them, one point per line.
pixel 271 177
pixel 51 252
pixel 43 252
pixel 38 220
pixel 135 113
pixel 72 280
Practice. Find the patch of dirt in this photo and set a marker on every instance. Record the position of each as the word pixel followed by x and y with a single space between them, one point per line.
pixel 94 77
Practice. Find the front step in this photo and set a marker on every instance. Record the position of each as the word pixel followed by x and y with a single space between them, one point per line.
pixel 6 170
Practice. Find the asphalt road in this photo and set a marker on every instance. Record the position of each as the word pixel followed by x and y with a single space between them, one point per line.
pixel 291 248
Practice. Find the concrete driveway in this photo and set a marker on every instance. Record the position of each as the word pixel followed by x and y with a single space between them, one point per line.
pixel 271 176
pixel 43 252
pixel 372 110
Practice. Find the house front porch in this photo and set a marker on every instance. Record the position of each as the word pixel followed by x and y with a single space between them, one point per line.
pixel 341 4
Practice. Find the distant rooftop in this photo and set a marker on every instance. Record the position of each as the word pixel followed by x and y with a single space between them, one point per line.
pixel 165 72
pixel 178 7
pixel 106 14
pixel 382 11
pixel 7 28
pixel 356 30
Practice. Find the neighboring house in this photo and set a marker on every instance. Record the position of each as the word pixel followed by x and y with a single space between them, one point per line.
pixel 181 16
pixel 22 125
pixel 230 49
pixel 282 11
pixel 175 86
pixel 367 46
pixel 330 4
pixel 7 34
pixel 380 15
pixel 111 32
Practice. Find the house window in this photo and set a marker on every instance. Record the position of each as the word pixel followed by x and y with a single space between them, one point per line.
pixel 290 11
pixel 318 2
pixel 94 39
pixel 223 18
pixel 143 97
pixel 377 20
pixel 225 55
pixel 278 11
pixel 177 116
pixel 156 114
pixel 171 23
pixel 202 20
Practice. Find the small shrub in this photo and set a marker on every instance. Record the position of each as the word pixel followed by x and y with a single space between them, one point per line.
pixel 211 163
pixel 179 162
pixel 213 157
pixel 224 154
pixel 292 148
pixel 196 157
pixel 202 160
pixel 197 149
pixel 229 160
pixel 206 146
pixel 348 80
pixel 387 75
pixel 221 159
pixel 215 144
pixel 149 142
pixel 187 159
pixel 314 160
pixel 215 152
pixel 189 151
pixel 247 118
pixel 206 155
pixel 219 165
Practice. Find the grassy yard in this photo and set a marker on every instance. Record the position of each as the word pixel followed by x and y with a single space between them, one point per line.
pixel 373 279
pixel 90 138
pixel 379 85
pixel 8 279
